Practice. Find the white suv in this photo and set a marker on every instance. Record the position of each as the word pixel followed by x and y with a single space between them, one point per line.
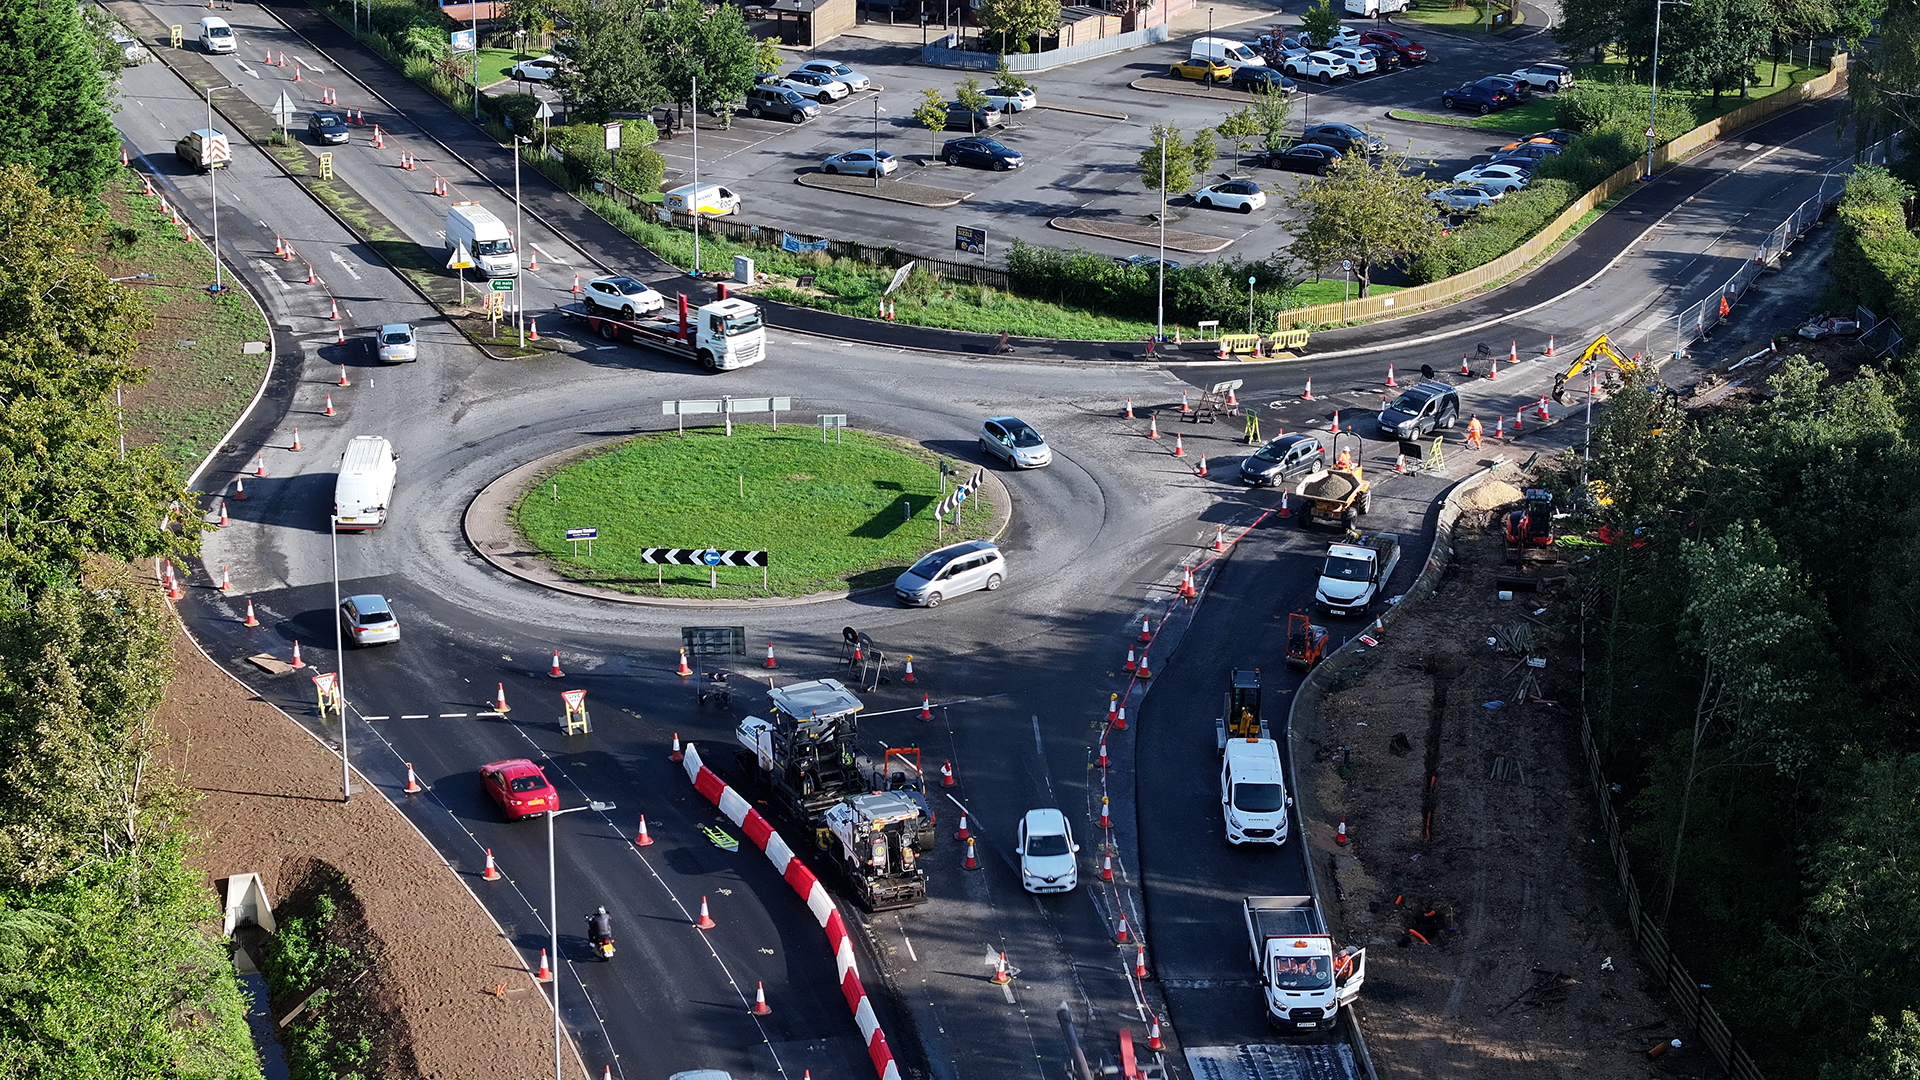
pixel 1047 853
pixel 1357 58
pixel 1324 66
pixel 1549 77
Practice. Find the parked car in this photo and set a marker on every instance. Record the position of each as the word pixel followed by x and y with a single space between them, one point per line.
pixel 1503 177
pixel 537 70
pixel 824 89
pixel 780 103
pixel 834 69
pixel 1342 35
pixel 1476 98
pixel 980 153
pixel 1010 100
pixel 1556 136
pixel 1143 261
pixel 1262 80
pixel 1549 77
pixel 861 163
pixel 962 118
pixel 1014 441
pixel 1384 57
pixel 625 295
pixel 397 344
pixel 1303 157
pixel 1465 198
pixel 368 620
pixel 1530 155
pixel 1343 137
pixel 1282 458
pixel 519 788
pixel 327 127
pixel 1359 59
pixel 1514 88
pixel 1048 855
pixel 949 571
pixel 1242 195
pixel 1200 70
pixel 1408 49
pixel 1317 65
pixel 1419 410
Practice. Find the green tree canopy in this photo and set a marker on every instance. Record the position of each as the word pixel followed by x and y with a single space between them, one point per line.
pixel 686 42
pixel 607 70
pixel 58 118
pixel 1016 21
pixel 1183 158
pixel 1320 21
pixel 1367 211
pixel 1889 1052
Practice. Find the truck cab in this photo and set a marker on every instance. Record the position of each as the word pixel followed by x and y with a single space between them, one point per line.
pixel 1305 979
pixel 1355 572
pixel 732 333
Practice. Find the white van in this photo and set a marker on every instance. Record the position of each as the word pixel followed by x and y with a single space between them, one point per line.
pixel 485 237
pixel 216 36
pixel 1253 792
pixel 713 200
pixel 365 485
pixel 1234 54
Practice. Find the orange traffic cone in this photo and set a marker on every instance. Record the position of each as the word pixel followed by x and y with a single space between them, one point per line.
pixel 172 583
pixel 1179 449
pixel 226 583
pixel 1400 463
pixel 500 699
pixel 1185 409
pixel 1120 935
pixel 1106 813
pixel 1120 719
pixel 343 376
pixel 533 262
pixel 963 833
pixel 224 522
pixel 545 974
pixel 329 404
pixel 1106 867
pixel 279 247
pixel 1499 427
pixel 413 782
pixel 1140 961
pixel 311 280
pixel 239 489
pixel 251 621
pixel 1519 419
pixel 296 447
pixel 1219 535
pixel 296 662
pixel 684 669
pixel 770 660
pixel 260 465
pixel 1340 836
pixel 1202 470
pixel 1146 629
pixel 554 672
pixel 492 872
pixel 678 754
pixel 1549 344
pixel 946 774
pixel 334 311
pixel 1001 976
pixel 1390 381
pixel 1493 368
pixel 1335 425
pixel 1130 407
pixel 643 840
pixel 926 713
pixel 1285 510
pixel 1308 396
pixel 1103 750
pixel 706 920
pixel 1145 672
pixel 972 863
pixel 533 329
pixel 1113 708
pixel 908 677
pixel 1153 1036
pixel 1153 426
pixel 1186 582
pixel 576 283
pixel 1513 352
pixel 760 1000
pixel 1464 369
pixel 1132 664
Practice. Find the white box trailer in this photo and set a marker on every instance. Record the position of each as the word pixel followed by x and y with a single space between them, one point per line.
pixel 364 486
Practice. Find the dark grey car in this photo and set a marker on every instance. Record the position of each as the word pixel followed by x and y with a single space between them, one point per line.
pixel 1420 410
pixel 1283 458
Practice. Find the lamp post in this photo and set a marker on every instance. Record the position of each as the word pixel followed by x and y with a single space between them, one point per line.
pixel 1210 39
pixel 693 91
pixel 876 141
pixel 1249 304
pixel 213 175
pixel 340 656
pixel 1653 94
pixel 1160 301
pixel 553 918
pixel 520 326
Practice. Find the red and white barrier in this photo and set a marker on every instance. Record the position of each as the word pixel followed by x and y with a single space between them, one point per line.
pixel 814 894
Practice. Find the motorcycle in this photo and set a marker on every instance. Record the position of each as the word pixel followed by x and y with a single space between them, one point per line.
pixel 602 944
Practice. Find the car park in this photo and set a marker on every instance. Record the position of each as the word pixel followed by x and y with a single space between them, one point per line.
pixel 965 567
pixel 1201 70
pixel 1359 59
pixel 980 153
pixel 811 84
pixel 397 344
pixel 628 296
pixel 1262 80
pixel 1549 77
pixel 1419 410
pixel 537 70
pixel 1343 137
pixel 1408 49
pixel 1010 99
pixel 1501 177
pixel 834 69
pixel 519 788
pixel 1476 98
pixel 1303 157
pixel 780 103
pixel 368 620
pixel 328 128
pixel 861 163
pixel 1464 198
pixel 1242 195
pixel 1282 458
pixel 1048 855
pixel 961 118
pixel 1014 441
pixel 1324 66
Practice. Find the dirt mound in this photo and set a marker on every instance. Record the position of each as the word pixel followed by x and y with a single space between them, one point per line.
pixel 1490 494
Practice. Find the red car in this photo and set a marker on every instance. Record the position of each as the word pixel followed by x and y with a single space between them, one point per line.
pixel 1408 50
pixel 519 787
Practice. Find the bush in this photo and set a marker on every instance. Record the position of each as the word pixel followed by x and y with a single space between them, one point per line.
pixel 1497 230
pixel 1876 258
pixel 640 169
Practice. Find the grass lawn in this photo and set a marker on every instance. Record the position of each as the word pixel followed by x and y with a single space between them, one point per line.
pixel 1531 117
pixel 831 515
pixel 497 64
pixel 1333 291
pixel 1457 17
pixel 1540 113
pixel 199 379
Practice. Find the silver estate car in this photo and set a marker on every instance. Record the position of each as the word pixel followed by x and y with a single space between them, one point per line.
pixel 951 570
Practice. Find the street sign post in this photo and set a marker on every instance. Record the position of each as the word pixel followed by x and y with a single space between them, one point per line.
pixel 589 534
pixel 725 407
pixel 836 421
pixel 283 113
pixel 712 558
pixel 970 239
pixel 460 262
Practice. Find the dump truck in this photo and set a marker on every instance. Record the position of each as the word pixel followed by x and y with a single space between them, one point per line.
pixel 1337 492
pixel 1240 712
pixel 1305 979
pixel 1356 573
pixel 875 839
pixel 725 335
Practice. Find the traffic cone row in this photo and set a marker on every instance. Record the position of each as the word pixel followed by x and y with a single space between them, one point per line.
pixel 379 140
pixel 173 583
pixel 1187 591
pixel 440 186
pixel 1542 412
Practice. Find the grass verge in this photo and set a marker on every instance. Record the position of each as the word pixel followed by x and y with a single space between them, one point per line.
pixel 850 514
pixel 1516 121
pixel 1542 112
pixel 199 379
pixel 1466 17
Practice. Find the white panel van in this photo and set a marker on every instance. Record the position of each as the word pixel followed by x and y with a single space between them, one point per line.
pixel 1253 792
pixel 1234 54
pixel 216 36
pixel 365 485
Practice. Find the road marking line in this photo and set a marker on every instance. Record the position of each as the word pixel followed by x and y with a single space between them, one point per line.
pixel 451 715
pixel 344 265
pixel 315 68
pixel 414 716
pixel 376 718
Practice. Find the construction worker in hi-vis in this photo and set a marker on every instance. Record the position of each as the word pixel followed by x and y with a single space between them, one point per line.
pixel 1473 434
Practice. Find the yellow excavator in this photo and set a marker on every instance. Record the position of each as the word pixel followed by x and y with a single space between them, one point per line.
pixel 1601 348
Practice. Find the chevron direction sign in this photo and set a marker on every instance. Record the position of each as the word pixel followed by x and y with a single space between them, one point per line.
pixel 703 557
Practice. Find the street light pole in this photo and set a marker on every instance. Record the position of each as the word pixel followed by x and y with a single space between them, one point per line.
pixel 1160 301
pixel 693 83
pixel 519 325
pixel 213 175
pixel 553 918
pixel 340 657
pixel 876 142
pixel 1653 94
pixel 1249 305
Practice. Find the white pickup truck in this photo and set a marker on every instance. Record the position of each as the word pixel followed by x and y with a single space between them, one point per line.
pixel 1305 980
pixel 1355 573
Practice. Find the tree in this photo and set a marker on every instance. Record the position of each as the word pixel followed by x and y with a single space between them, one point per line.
pixel 66 340
pixel 1241 126
pixel 1888 1052
pixel 1368 212
pixel 58 117
pixel 971 98
pixel 1320 22
pixel 1007 79
pixel 767 56
pixel 1864 915
pixel 1271 111
pixel 1019 20
pixel 1183 158
pixel 1717 46
pixel 606 70
pixel 688 45
pixel 932 114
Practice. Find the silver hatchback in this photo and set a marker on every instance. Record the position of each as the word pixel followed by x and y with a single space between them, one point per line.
pixel 1014 441
pixel 951 570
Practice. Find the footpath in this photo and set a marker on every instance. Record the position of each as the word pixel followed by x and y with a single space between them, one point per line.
pixel 1568 269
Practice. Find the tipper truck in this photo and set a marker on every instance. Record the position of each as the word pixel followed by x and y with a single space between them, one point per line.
pixel 1356 572
pixel 722 336
pixel 1305 979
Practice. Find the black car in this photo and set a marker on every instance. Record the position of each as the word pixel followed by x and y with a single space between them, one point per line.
pixel 1303 157
pixel 1419 410
pixel 1343 137
pixel 327 128
pixel 1262 80
pixel 983 153
pixel 1476 98
pixel 1385 58
pixel 779 103
pixel 1283 458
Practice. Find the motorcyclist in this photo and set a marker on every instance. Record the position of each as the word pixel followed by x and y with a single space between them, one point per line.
pixel 599 926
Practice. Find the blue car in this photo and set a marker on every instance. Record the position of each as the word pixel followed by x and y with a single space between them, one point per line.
pixel 1474 96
